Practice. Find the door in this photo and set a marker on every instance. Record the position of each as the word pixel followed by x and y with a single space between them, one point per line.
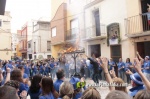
pixel 143 48
pixel 140 49
pixel 96 50
pixel 116 52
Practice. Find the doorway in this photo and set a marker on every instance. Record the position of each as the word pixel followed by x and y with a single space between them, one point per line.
pixel 143 48
pixel 96 50
pixel 116 52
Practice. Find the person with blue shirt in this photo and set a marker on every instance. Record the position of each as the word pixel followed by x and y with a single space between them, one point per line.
pixel 24 84
pixel 35 89
pixel 111 64
pixel 25 76
pixel 48 91
pixel 78 85
pixel 128 65
pixel 67 68
pixel 33 70
pixel 27 69
pixel 60 79
pixel 52 66
pixel 9 65
pixel 146 68
pixel 121 66
pixel 41 68
pixel 136 83
pixel 46 69
pixel 17 63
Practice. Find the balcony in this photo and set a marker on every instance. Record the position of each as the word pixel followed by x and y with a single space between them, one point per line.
pixel 95 33
pixel 137 25
pixel 72 34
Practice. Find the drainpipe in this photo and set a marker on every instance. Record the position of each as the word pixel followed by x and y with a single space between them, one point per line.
pixel 40 43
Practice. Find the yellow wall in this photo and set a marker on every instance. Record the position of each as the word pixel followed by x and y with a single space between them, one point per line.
pixel 55 50
pixel 5 43
pixel 17 50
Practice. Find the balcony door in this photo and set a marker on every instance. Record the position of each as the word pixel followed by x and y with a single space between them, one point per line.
pixel 144 9
pixel 74 25
pixel 97 22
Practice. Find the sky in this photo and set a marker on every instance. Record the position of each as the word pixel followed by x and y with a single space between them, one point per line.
pixel 24 10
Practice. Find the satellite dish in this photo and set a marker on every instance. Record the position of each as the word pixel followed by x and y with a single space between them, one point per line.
pixel 40 57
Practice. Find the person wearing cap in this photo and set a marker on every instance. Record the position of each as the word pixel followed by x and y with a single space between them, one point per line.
pixel 136 83
pixel 77 85
pixel 146 69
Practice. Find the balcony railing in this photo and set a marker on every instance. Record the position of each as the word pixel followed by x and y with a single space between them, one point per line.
pixel 72 34
pixel 137 24
pixel 95 31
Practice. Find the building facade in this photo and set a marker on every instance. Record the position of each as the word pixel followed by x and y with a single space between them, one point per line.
pixel 5 36
pixel 137 26
pixel 18 53
pixel 104 29
pixel 67 25
pixel 111 28
pixel 41 41
pixel 25 36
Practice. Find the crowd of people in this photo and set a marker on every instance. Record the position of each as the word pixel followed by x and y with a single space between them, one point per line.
pixel 19 79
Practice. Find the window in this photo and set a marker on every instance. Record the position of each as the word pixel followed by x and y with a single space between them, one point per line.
pixel 116 52
pixel 30 56
pixel 48 46
pixel 29 45
pixel 0 23
pixel 54 32
pixel 48 56
pixel 74 26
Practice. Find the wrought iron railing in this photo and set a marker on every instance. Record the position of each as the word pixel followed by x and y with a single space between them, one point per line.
pixel 72 34
pixel 95 31
pixel 137 24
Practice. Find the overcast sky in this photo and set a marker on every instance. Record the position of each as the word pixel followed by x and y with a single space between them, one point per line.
pixel 24 10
